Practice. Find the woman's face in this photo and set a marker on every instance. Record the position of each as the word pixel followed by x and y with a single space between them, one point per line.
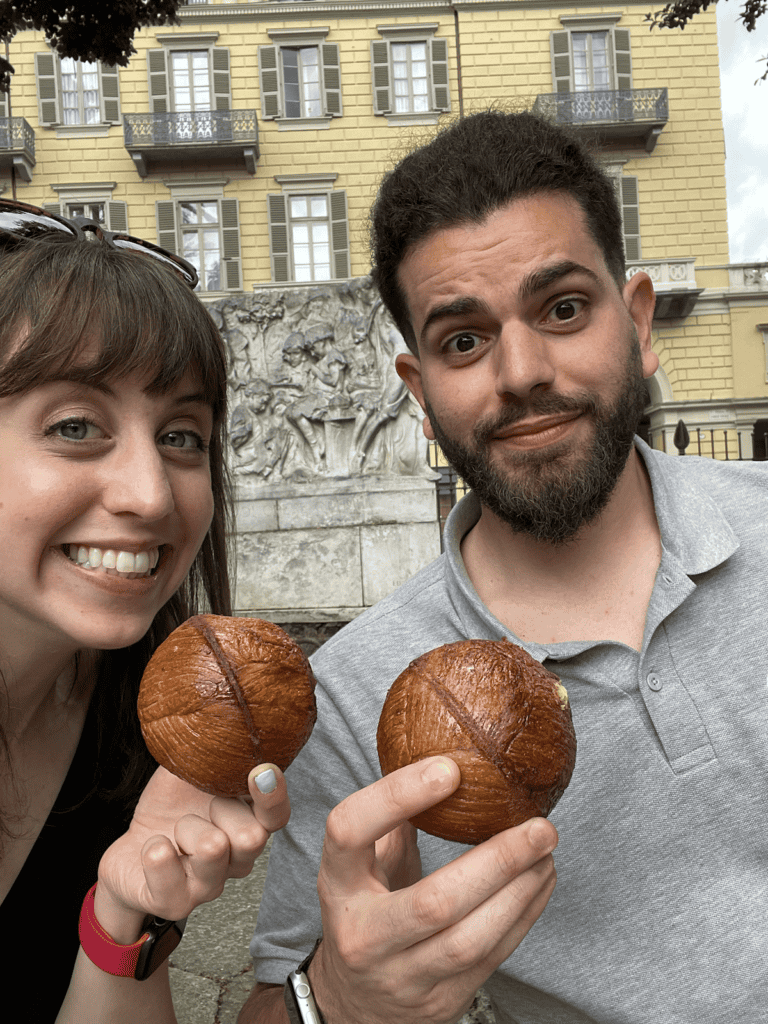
pixel 111 475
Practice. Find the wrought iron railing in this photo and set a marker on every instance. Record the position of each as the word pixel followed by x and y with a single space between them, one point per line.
pixel 611 106
pixel 17 134
pixel 199 126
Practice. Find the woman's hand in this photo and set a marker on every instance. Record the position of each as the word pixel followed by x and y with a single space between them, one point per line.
pixel 181 847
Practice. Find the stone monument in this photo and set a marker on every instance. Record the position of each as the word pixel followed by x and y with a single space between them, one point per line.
pixel 335 501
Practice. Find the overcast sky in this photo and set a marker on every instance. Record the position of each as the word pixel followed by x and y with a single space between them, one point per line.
pixel 745 117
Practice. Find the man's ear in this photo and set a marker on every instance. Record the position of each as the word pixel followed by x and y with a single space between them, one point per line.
pixel 409 369
pixel 640 300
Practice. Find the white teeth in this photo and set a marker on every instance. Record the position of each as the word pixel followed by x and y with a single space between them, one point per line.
pixel 125 562
pixel 114 562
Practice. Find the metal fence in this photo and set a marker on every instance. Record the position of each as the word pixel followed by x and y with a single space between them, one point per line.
pixel 609 105
pixel 179 128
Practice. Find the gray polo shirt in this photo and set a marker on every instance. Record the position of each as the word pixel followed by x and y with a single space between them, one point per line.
pixel 660 914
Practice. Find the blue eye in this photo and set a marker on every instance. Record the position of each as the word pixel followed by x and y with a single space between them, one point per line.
pixel 75 429
pixel 184 439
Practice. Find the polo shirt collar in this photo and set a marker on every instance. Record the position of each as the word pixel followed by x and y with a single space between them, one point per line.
pixel 695 535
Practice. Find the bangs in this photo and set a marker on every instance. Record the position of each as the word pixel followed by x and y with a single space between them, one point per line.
pixel 60 301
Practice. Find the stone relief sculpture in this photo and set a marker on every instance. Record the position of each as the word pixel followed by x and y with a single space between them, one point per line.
pixel 313 386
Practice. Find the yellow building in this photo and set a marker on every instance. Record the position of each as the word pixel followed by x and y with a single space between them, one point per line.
pixel 252 136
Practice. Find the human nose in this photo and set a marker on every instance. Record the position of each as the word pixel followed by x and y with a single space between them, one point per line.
pixel 137 483
pixel 523 361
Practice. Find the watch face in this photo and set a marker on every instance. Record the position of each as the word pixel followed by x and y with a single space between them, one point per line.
pixel 163 938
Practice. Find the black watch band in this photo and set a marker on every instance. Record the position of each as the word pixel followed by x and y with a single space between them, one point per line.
pixel 299 1000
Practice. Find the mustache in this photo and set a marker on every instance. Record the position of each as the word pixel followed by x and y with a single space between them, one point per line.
pixel 536 405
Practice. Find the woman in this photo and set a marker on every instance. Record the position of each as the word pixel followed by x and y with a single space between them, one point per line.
pixel 113 518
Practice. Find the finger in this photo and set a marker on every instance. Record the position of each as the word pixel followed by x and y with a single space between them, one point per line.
pixel 206 853
pixel 358 821
pixel 165 878
pixel 398 861
pixel 454 891
pixel 271 806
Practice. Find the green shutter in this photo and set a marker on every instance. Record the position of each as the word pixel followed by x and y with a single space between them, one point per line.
pixel 380 76
pixel 230 238
pixel 109 93
pixel 157 70
pixel 339 233
pixel 630 216
pixel 167 233
pixel 623 58
pixel 222 90
pixel 441 94
pixel 560 52
pixel 269 81
pixel 46 74
pixel 329 54
pixel 3 104
pixel 278 236
pixel 55 208
pixel 117 216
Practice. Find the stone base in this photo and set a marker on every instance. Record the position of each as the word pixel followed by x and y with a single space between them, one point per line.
pixel 323 552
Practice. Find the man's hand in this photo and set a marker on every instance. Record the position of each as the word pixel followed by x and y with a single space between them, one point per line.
pixel 419 953
pixel 182 846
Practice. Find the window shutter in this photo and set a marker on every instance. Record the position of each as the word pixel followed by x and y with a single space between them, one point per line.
pixel 167 231
pixel 47 89
pixel 329 54
pixel 55 208
pixel 3 104
pixel 117 216
pixel 441 95
pixel 222 90
pixel 623 58
pixel 270 86
pixel 157 69
pixel 109 93
pixel 230 237
pixel 339 234
pixel 630 216
pixel 380 76
pixel 278 236
pixel 560 50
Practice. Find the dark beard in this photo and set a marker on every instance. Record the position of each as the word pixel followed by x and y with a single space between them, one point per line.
pixel 540 499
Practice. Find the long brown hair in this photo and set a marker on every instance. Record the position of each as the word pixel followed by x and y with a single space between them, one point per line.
pixel 56 296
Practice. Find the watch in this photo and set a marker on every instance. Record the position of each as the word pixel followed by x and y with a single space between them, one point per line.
pixel 299 1001
pixel 136 960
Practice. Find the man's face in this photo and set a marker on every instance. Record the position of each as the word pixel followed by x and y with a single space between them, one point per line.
pixel 531 361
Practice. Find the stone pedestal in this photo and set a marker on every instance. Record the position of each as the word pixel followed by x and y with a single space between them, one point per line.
pixel 325 551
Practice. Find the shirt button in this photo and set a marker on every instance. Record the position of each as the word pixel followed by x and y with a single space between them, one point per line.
pixel 653 681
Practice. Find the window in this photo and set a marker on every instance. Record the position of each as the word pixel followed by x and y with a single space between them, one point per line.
pixel 300 78
pixel 75 93
pixel 92 201
pixel 308 229
pixel 206 232
pixel 410 72
pixel 189 74
pixel 591 55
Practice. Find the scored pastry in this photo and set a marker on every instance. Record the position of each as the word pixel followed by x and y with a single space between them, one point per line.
pixel 221 695
pixel 501 716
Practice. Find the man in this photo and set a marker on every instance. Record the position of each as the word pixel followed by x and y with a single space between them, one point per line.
pixel 640 579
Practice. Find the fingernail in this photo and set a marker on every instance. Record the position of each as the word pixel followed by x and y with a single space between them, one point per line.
pixel 436 774
pixel 266 781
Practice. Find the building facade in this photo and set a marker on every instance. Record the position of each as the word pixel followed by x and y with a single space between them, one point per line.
pixel 251 137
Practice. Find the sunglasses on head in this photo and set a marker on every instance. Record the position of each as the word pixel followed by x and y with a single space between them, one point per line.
pixel 20 220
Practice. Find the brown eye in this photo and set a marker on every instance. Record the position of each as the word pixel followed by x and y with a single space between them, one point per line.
pixel 566 310
pixel 463 343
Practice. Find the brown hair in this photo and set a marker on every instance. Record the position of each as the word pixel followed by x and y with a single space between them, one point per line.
pixel 56 296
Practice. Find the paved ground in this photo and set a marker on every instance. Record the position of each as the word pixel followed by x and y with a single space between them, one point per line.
pixel 211 973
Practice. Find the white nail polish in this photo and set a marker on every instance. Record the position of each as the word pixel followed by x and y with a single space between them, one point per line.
pixel 266 781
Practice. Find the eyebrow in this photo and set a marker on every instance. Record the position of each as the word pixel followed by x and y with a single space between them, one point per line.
pixel 533 283
pixel 77 377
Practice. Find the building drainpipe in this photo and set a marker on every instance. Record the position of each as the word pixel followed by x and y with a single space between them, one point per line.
pixel 458 58
pixel 10 124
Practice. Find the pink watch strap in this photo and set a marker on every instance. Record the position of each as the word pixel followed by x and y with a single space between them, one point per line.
pixel 101 949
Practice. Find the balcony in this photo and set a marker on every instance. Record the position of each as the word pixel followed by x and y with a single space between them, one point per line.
pixel 625 116
pixel 17 147
pixel 225 139
pixel 674 282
